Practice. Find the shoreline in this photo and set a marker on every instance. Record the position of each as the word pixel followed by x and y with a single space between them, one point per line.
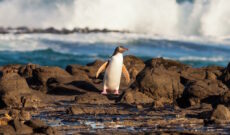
pixel 164 96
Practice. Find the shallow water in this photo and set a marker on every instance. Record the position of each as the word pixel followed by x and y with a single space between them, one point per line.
pixel 135 122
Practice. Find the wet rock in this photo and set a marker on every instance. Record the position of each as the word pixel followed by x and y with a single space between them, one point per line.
pixel 160 79
pixel 221 114
pixel 76 110
pixel 207 91
pixel 135 97
pixel 39 126
pixel 42 74
pixel 92 98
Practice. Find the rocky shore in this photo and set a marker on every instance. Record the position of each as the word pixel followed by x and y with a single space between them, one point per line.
pixel 52 30
pixel 164 96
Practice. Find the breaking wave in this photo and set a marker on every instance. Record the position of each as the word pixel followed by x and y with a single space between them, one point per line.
pixel 159 17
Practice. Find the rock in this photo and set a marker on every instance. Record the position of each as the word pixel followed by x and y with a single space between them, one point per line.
pixel 83 73
pixel 42 74
pixel 206 91
pixel 134 65
pixel 135 97
pixel 160 79
pixel 78 71
pixel 92 98
pixel 21 128
pixel 225 98
pixel 194 74
pixel 12 88
pixel 21 115
pixel 40 127
pixel 221 114
pixel 7 130
pixel 76 110
pixel 27 70
pixel 35 124
pixel 226 75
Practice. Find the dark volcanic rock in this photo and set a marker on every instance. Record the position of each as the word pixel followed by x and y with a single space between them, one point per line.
pixel 160 80
pixel 221 114
pixel 92 98
pixel 42 74
pixel 135 97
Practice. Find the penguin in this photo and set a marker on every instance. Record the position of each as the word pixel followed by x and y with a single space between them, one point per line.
pixel 113 70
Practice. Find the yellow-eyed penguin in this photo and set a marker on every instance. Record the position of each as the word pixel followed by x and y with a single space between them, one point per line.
pixel 113 69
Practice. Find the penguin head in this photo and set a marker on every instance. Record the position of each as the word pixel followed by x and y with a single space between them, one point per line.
pixel 120 49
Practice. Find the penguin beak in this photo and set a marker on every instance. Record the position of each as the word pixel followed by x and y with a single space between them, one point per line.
pixel 125 49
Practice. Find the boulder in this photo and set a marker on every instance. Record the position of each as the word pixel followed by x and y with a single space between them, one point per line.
pixel 160 80
pixel 206 91
pixel 42 74
pixel 221 114
pixel 12 89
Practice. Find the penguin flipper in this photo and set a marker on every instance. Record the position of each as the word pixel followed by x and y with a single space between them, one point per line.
pixel 103 67
pixel 126 73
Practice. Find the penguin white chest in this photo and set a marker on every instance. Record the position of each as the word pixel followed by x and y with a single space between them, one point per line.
pixel 113 72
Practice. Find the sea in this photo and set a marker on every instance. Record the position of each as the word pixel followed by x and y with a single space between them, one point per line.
pixel 194 32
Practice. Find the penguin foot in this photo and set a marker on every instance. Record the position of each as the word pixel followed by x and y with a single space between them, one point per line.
pixel 104 92
pixel 116 92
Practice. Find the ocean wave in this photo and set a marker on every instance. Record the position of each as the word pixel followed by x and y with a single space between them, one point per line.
pixel 201 18
pixel 210 59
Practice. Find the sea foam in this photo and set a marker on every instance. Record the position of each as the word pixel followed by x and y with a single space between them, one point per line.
pixel 208 18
